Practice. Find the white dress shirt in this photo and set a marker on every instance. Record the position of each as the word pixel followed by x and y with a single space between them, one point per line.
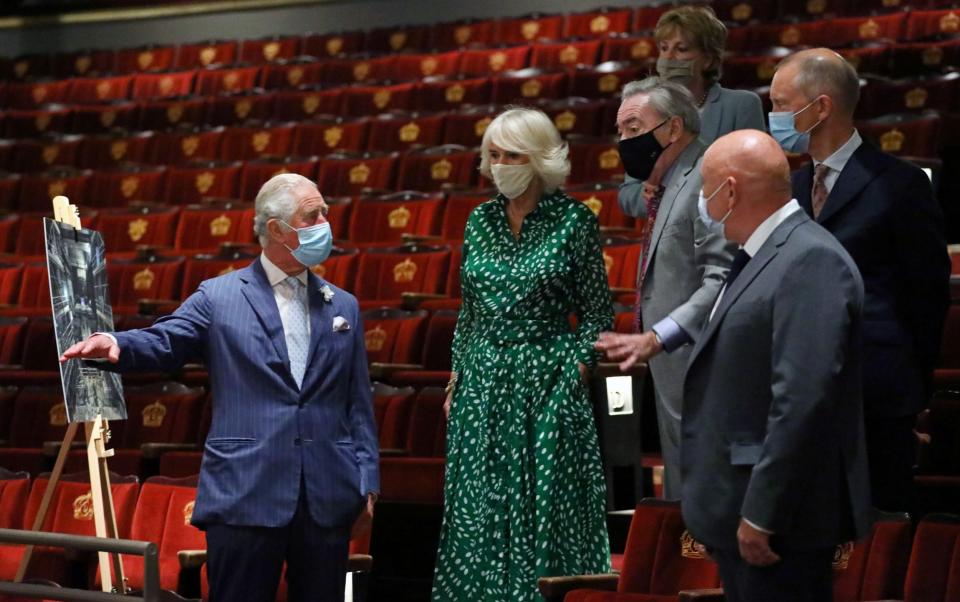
pixel 282 293
pixel 838 160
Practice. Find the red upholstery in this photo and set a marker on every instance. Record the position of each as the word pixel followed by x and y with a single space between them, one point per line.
pixel 38 189
pixel 602 81
pixel 42 153
pixel 9 190
pixel 637 49
pixel 185 143
pixel 121 185
pixel 927 23
pixel 902 134
pixel 415 66
pixel 145 58
pixel 439 340
pixel 234 108
pixel 340 268
pixel 165 412
pixel 428 425
pixel 934 561
pixel 564 55
pixel 212 223
pixel 203 267
pixel 437 168
pixel 387 218
pixel 27 65
pixel 493 60
pixel 123 229
pixel 257 171
pixel 22 123
pixel 386 273
pixel 28 95
pixel 152 277
pixel 345 173
pixel 14 489
pixel 912 58
pixel 572 115
pixel 396 39
pixel 529 28
pixel 39 415
pixel 114 149
pixel 858 30
pixel 291 73
pixel 874 568
pixel 9 225
pixel 752 70
pixel 457 34
pixel 370 100
pixel 393 335
pixel 256 140
pixel 459 206
pixel 180 464
pixel 162 85
pixel 804 33
pixel 412 480
pixel 391 408
pixel 601 198
pixel 466 126
pixel 84 90
pixel 213 80
pixel 338 214
pixel 81 62
pixel 440 93
pixel 621 257
pixel 871 58
pixel 400 130
pixel 526 85
pixel 269 49
pixel 12 333
pixel 103 117
pixel 884 96
pixel 357 69
pixel 594 160
pixel 162 516
pixel 598 23
pixel 325 134
pixel 310 101
pixel 203 54
pixel 332 44
pixel 743 12
pixel 34 287
pixel 191 183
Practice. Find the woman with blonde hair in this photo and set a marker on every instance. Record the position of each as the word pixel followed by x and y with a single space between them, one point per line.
pixel 524 490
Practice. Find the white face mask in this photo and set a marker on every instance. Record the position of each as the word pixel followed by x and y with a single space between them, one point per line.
pixel 512 180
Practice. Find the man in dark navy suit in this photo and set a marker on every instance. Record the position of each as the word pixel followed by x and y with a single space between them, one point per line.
pixel 291 458
pixel 882 210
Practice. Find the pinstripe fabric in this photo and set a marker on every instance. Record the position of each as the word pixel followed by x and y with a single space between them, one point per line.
pixel 267 431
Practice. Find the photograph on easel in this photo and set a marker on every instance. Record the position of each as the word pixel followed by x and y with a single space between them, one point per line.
pixel 81 306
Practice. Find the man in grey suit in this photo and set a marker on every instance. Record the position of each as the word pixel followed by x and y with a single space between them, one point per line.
pixel 774 455
pixel 683 265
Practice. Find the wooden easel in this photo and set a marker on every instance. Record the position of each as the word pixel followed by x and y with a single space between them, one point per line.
pixel 97 436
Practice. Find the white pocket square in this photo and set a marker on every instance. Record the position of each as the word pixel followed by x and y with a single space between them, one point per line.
pixel 340 324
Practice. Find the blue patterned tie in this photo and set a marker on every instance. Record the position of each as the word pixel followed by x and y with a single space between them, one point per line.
pixel 296 333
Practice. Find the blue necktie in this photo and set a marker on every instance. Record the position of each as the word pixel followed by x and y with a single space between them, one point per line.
pixel 296 332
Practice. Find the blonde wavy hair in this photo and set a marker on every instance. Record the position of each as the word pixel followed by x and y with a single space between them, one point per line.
pixel 528 132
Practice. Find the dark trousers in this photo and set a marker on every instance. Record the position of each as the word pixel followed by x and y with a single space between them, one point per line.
pixel 891 452
pixel 244 563
pixel 800 576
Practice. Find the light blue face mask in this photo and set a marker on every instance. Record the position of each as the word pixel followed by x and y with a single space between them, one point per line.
pixel 714 226
pixel 315 243
pixel 783 128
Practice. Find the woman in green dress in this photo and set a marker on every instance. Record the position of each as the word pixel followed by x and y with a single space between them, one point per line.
pixel 524 491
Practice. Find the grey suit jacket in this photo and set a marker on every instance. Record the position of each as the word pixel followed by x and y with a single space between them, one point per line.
pixel 687 265
pixel 723 112
pixel 773 422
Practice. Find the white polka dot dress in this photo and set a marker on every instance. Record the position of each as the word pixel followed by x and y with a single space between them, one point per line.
pixel 524 491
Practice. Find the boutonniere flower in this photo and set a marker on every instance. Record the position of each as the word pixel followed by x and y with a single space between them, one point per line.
pixel 327 293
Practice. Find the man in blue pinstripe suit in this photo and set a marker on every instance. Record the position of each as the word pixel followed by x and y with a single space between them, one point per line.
pixel 291 459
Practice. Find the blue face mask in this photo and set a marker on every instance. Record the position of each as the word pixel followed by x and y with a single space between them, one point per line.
pixel 783 128
pixel 315 243
pixel 714 226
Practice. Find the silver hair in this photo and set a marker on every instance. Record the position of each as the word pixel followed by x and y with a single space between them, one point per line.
pixel 528 132
pixel 834 78
pixel 276 200
pixel 667 98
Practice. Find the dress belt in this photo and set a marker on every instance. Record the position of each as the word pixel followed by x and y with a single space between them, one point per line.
pixel 513 331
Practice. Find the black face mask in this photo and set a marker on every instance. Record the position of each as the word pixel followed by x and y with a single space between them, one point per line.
pixel 640 153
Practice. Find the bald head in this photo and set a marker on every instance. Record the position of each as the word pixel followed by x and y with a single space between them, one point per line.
pixel 751 178
pixel 821 71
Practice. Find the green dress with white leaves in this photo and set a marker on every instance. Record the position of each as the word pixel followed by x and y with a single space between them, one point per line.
pixel 524 490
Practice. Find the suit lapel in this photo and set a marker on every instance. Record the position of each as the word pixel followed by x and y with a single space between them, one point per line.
pixel 321 320
pixel 803 187
pixel 258 292
pixel 713 117
pixel 856 174
pixel 686 161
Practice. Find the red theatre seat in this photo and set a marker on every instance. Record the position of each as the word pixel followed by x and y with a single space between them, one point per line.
pixel 106 151
pixel 575 115
pixel 594 160
pixel 103 117
pixel 868 58
pixel 904 134
pixel 83 62
pixel 436 356
pixel 485 61
pixel 393 336
pixel 159 412
pixel 87 90
pixel 203 267
pixel 25 123
pixel 875 567
pixel 39 415
pixel 45 152
pixel 9 191
pixel 449 93
pixel 257 171
pixel 210 224
pixel 415 66
pixel 386 273
pixel 789 35
pixel 752 70
pixel 145 58
pixel 338 214
pixel 233 108
pixel 646 17
pixel 185 143
pixel 124 229
pixel 438 168
pixel 529 28
pixel 9 225
pixel 172 112
pixel 391 410
pixel 459 206
pixel 272 48
pixel 934 563
pixel 325 134
pixel 162 516
pixel 12 332
pixel 860 30
pixel 340 268
pixel 805 9
pixel 124 184
pixel 621 256
pixel 387 218
pixel 332 44
pixel 193 182
pixel 371 99
pixel 564 55
pixel 925 24
pixel 358 68
pixel 400 130
pixel 882 96
pixel 14 489
pixel 640 49
pixel 398 39
pixel 601 198
pixel 291 73
pixel 912 58
pixel 458 34
pixel 744 12
pixel 466 126
pixel 38 189
pixel 29 241
pixel 27 65
pixel 204 54
pixel 306 103
pixel 604 80
pixel 35 93
pixel 255 139
pixel 345 173
pixel 527 85
pixel 162 85
pixel 214 80
pixel 147 276
pixel 598 23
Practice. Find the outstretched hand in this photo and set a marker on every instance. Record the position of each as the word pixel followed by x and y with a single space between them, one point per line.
pixel 95 347
pixel 628 349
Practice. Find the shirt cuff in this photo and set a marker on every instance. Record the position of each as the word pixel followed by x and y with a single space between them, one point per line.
pixel 107 334
pixel 672 336
pixel 757 527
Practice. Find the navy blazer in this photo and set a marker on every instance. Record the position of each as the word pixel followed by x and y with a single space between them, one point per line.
pixel 883 211
pixel 268 436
